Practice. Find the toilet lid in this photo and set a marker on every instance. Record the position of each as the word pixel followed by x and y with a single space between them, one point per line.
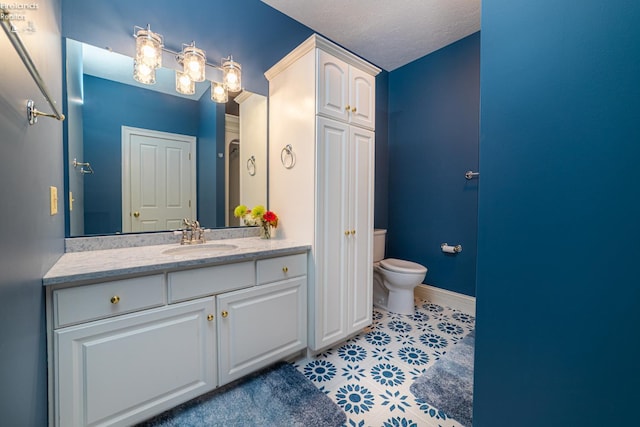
pixel 402 266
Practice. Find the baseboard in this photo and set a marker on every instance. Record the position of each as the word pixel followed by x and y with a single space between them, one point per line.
pixel 461 302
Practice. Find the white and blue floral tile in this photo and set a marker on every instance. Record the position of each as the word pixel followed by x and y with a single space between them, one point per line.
pixel 369 375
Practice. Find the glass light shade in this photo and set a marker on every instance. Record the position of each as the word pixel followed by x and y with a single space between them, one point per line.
pixel 219 92
pixel 232 75
pixel 184 84
pixel 193 61
pixel 144 73
pixel 148 48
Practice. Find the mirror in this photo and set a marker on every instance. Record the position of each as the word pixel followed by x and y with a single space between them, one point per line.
pixel 142 157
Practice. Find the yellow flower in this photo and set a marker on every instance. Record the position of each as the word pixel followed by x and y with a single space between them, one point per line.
pixel 239 211
pixel 258 211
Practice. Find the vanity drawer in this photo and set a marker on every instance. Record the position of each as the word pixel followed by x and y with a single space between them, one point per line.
pixel 284 267
pixel 199 282
pixel 91 302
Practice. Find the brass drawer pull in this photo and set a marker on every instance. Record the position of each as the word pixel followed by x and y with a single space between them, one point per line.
pixel 285 269
pixel 115 299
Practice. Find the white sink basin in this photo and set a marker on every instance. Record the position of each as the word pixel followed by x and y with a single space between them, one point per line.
pixel 200 249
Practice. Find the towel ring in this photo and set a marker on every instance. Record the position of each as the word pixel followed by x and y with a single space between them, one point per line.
pixel 251 165
pixel 287 152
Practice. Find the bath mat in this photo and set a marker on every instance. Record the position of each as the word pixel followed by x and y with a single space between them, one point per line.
pixel 277 396
pixel 448 384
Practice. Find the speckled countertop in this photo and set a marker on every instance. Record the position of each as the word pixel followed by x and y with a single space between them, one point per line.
pixel 110 263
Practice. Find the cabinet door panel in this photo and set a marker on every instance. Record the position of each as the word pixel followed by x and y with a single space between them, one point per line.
pixel 362 98
pixel 332 87
pixel 361 217
pixel 261 325
pixel 119 371
pixel 333 232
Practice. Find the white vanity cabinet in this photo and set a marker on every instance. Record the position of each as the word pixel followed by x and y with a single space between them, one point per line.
pixel 321 179
pixel 122 351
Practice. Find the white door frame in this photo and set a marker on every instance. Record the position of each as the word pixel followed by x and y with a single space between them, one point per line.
pixel 127 131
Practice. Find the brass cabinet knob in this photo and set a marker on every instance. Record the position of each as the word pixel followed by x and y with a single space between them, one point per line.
pixel 347 108
pixel 353 232
pixel 285 269
pixel 346 233
pixel 136 214
pixel 210 317
pixel 353 110
pixel 225 313
pixel 115 299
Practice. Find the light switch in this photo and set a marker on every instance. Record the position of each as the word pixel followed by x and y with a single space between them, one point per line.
pixel 53 193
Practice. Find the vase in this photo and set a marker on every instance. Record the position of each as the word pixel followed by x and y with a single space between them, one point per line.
pixel 265 231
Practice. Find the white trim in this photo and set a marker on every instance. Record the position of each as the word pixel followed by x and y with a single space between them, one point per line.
pixel 126 133
pixel 316 41
pixel 461 302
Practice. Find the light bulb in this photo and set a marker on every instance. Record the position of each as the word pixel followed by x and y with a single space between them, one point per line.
pixel 148 47
pixel 149 51
pixel 144 73
pixel 184 84
pixel 194 60
pixel 232 75
pixel 219 92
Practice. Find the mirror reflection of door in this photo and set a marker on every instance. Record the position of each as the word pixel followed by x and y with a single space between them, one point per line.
pixel 234 179
pixel 158 183
pixel 232 167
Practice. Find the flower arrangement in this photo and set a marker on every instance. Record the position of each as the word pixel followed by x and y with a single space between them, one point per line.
pixel 257 216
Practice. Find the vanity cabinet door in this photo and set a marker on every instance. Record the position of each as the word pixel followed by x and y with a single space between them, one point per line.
pixel 259 326
pixel 123 370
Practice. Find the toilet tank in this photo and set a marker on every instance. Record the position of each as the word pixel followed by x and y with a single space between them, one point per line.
pixel 379 242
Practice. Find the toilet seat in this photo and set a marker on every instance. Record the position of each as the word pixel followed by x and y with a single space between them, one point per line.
pixel 402 266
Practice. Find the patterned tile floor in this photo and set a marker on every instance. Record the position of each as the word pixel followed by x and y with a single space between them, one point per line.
pixel 369 375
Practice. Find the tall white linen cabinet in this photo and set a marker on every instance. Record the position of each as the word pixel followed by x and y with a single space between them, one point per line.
pixel 321 179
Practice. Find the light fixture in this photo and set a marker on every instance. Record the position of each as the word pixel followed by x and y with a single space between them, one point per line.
pixel 149 48
pixel 184 84
pixel 144 73
pixel 232 74
pixel 193 61
pixel 219 92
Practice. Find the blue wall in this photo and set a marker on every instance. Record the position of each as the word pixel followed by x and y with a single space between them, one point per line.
pixel 32 240
pixel 558 295
pixel 107 107
pixel 433 140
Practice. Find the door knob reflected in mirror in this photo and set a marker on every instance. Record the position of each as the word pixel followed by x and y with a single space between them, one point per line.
pixel 136 214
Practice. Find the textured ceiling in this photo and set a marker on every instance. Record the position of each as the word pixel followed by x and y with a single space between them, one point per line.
pixel 387 33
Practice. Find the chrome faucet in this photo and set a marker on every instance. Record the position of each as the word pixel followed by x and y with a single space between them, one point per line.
pixel 192 233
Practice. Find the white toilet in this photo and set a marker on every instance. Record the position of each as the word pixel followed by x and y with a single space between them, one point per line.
pixel 393 279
